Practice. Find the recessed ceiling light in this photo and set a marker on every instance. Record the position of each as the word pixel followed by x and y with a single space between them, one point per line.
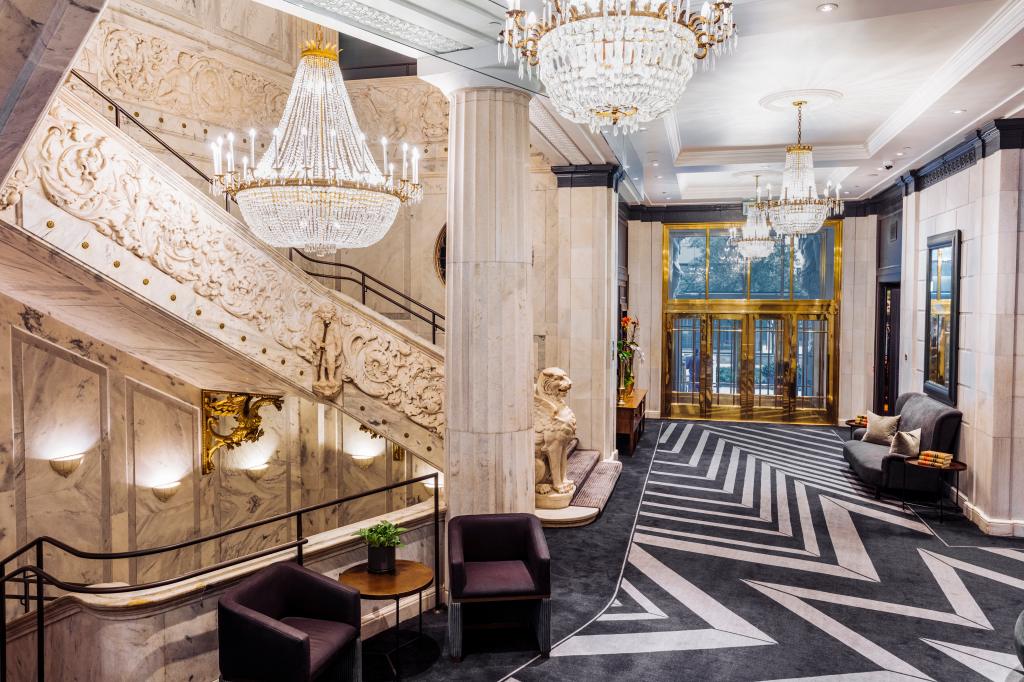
pixel 655 164
pixel 643 129
pixel 899 153
pixel 828 7
pixel 959 111
pixel 846 192
pixel 660 177
pixel 1017 66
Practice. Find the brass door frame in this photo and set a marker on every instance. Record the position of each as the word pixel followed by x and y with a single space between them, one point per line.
pixel 790 311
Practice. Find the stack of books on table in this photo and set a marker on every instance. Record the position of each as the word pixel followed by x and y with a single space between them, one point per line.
pixel 935 459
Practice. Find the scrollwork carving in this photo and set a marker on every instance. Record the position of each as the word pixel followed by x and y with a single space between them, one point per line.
pixel 147 70
pixel 80 164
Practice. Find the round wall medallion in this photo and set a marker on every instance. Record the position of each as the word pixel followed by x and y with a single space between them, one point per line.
pixel 440 251
pixel 816 99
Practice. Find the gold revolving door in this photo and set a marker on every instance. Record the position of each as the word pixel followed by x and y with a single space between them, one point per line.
pixel 750 341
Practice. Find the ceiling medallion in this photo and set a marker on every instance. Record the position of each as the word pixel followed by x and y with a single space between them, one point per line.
pixel 754 240
pixel 317 186
pixel 616 63
pixel 798 209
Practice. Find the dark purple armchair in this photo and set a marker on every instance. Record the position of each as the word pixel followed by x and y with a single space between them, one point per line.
pixel 289 624
pixel 498 557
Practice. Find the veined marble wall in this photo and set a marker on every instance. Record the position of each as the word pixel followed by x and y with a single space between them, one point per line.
pixel 65 393
pixel 645 303
pixel 857 317
pixel 983 203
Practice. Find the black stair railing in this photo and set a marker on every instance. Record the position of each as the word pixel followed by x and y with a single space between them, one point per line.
pixel 35 573
pixel 368 284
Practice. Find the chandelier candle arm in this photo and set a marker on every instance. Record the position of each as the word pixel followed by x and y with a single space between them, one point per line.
pixel 318 186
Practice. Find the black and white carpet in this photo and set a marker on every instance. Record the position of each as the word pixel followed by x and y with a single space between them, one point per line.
pixel 756 555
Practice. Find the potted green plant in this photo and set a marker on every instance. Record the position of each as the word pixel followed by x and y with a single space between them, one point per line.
pixel 381 540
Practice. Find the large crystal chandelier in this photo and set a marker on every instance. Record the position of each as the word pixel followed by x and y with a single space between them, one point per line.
pixel 754 240
pixel 798 209
pixel 317 186
pixel 615 63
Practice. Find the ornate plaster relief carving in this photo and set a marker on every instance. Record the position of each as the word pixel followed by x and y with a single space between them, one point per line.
pixel 389 25
pixel 81 164
pixel 151 71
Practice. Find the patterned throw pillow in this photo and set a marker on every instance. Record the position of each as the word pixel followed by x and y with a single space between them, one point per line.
pixel 881 429
pixel 906 443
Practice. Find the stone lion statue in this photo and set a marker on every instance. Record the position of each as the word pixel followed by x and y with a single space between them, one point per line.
pixel 555 426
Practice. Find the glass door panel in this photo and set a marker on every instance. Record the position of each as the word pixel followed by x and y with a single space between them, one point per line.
pixel 724 367
pixel 813 380
pixel 684 348
pixel 768 367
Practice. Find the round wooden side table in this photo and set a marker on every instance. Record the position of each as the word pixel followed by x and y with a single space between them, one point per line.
pixel 410 577
pixel 954 466
pixel 855 424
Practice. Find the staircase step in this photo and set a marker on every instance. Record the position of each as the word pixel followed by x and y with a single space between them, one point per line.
pixel 599 486
pixel 579 465
pixel 573 444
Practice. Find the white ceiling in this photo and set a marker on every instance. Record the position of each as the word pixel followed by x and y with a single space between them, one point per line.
pixel 899 67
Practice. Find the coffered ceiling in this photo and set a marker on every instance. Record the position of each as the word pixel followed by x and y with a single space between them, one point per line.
pixel 884 78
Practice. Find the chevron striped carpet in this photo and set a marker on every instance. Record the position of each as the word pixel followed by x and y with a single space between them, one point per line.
pixel 757 555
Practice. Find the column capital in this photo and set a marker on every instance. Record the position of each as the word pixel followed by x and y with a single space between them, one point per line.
pixel 589 175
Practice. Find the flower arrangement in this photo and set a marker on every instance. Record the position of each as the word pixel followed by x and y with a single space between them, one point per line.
pixel 626 349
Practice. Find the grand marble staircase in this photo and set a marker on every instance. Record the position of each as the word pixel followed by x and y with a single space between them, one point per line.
pixel 595 481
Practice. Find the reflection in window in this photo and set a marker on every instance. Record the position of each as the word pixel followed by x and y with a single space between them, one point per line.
pixel 813 265
pixel 727 271
pixel 769 277
pixel 687 254
pixel 940 291
pixel 726 343
pixel 686 345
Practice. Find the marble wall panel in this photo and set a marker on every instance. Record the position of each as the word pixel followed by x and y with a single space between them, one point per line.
pixel 60 408
pixel 164 448
pixel 357 475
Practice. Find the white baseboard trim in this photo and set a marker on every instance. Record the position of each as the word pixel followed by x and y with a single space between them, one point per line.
pixel 990 526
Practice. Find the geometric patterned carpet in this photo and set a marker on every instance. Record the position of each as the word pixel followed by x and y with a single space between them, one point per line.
pixel 757 555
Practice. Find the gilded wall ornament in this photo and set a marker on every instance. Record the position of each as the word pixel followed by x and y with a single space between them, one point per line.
pixel 244 409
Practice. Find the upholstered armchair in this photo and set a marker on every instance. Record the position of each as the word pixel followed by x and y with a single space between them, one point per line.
pixel 498 557
pixel 289 624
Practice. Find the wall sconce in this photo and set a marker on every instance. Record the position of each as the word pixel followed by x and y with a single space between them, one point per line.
pixel 166 491
pixel 363 461
pixel 67 465
pixel 256 472
pixel 245 408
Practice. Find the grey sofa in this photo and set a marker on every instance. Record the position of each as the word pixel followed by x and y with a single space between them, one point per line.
pixel 939 424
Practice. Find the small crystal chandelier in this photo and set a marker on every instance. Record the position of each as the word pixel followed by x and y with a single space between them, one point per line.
pixel 754 240
pixel 317 187
pixel 615 63
pixel 799 210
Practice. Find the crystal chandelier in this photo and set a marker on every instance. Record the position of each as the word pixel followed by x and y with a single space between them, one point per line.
pixel 754 240
pixel 798 210
pixel 615 63
pixel 317 187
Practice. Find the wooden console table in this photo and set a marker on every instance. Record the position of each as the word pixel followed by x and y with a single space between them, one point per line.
pixel 630 420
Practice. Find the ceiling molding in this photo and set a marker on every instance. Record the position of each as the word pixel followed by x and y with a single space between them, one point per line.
pixel 1002 26
pixel 550 129
pixel 688 213
pixel 589 175
pixel 773 154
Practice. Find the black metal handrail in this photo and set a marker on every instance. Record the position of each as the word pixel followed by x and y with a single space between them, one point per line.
pixel 36 572
pixel 366 283
pixel 122 113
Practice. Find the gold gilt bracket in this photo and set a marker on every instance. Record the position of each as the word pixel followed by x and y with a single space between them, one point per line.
pixel 244 408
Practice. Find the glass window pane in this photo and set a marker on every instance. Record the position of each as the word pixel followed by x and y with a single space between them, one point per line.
pixel 769 277
pixel 813 261
pixel 812 363
pixel 727 272
pixel 686 345
pixel 687 252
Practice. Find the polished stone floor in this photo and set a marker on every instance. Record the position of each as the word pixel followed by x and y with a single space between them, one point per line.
pixel 750 552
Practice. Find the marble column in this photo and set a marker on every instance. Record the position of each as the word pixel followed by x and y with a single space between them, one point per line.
pixel 587 296
pixel 489 339
pixel 38 41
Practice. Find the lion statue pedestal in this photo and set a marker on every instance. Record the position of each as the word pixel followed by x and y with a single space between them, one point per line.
pixel 555 427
